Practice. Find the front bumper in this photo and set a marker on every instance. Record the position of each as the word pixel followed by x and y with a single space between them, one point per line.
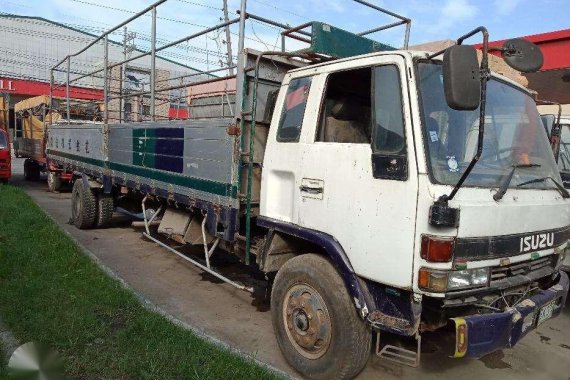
pixel 481 334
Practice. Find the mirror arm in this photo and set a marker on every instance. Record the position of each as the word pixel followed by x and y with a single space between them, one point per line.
pixel 485 74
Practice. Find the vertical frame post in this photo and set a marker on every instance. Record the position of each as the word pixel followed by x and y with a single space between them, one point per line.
pixel 106 80
pixel 67 106
pixel 123 77
pixel 230 61
pixel 241 100
pixel 153 65
pixel 242 17
pixel 407 34
pixel 50 96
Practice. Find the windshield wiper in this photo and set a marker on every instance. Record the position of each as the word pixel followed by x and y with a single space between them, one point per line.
pixel 563 191
pixel 505 184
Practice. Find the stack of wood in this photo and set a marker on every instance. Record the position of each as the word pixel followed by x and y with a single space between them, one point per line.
pixel 499 66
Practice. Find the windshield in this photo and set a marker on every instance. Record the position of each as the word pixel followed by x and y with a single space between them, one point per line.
pixel 564 155
pixel 514 135
pixel 3 142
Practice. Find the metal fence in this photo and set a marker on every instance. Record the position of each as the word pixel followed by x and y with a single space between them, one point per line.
pixel 136 89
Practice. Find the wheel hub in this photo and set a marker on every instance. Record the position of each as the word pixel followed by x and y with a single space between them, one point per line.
pixel 307 321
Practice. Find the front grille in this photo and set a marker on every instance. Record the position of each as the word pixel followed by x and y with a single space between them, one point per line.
pixel 531 268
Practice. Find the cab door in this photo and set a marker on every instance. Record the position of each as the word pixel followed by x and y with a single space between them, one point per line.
pixel 283 153
pixel 358 178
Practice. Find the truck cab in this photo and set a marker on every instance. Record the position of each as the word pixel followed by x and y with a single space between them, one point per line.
pixel 359 152
pixel 5 157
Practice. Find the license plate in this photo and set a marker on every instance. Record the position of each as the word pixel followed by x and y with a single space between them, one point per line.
pixel 546 312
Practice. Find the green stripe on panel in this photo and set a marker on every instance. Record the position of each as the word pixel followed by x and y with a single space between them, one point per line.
pixel 213 187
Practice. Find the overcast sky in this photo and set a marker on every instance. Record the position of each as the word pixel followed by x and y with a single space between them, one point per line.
pixel 431 19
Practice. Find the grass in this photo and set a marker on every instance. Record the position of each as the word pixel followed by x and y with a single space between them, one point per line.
pixel 3 363
pixel 51 293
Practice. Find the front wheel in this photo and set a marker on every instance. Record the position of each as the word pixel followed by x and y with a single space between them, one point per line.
pixel 315 320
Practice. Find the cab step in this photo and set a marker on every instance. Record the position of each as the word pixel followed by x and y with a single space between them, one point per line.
pixel 399 355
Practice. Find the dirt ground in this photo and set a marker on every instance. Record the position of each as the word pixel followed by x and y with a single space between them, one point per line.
pixel 243 321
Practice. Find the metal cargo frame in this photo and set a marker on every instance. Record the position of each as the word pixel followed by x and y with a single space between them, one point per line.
pixel 258 74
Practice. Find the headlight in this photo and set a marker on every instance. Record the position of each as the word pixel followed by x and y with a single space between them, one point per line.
pixel 470 278
pixel 439 281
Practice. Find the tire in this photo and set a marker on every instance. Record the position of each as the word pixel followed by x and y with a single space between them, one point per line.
pixel 27 169
pixel 31 170
pixel 105 209
pixel 54 182
pixel 317 326
pixel 83 206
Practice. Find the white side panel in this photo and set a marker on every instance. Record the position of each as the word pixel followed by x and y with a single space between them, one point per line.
pixel 279 172
pixel 373 219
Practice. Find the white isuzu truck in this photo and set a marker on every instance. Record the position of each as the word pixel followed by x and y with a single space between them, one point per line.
pixel 381 191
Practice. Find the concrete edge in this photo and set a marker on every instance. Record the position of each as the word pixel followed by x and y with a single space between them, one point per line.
pixel 9 343
pixel 149 305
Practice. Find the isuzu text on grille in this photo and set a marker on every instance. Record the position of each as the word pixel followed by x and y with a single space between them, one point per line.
pixel 538 241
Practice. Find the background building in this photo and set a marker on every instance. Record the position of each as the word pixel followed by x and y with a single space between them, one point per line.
pixel 31 46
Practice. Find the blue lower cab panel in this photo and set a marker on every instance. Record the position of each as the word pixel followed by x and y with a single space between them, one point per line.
pixel 486 333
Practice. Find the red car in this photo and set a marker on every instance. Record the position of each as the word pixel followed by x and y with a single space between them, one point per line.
pixel 5 157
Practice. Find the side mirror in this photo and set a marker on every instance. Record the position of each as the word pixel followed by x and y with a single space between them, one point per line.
pixel 461 78
pixel 522 55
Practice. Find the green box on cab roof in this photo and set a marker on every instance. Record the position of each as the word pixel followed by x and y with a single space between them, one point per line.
pixel 335 42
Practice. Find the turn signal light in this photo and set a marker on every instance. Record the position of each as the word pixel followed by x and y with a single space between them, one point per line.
pixel 432 280
pixel 437 249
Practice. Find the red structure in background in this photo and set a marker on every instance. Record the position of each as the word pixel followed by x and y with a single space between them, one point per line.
pixel 29 88
pixel 552 82
pixel 178 113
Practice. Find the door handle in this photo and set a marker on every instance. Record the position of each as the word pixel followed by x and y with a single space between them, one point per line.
pixel 311 190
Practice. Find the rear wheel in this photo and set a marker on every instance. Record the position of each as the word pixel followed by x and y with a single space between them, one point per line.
pixel 54 181
pixel 316 323
pixel 105 209
pixel 83 206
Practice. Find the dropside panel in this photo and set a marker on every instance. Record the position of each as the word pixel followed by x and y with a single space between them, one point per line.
pixel 192 158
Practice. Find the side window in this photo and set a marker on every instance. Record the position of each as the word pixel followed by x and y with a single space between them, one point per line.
pixel 346 110
pixel 389 159
pixel 293 110
pixel 388 116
